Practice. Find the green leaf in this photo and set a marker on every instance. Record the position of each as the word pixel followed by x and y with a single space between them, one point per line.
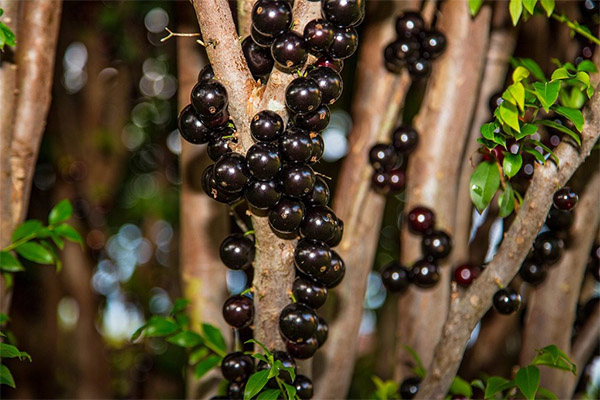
pixel 27 228
pixel 487 130
pixel 57 240
pixel 528 381
pixel 34 252
pixel 8 36
pixel 269 394
pixel 180 305
pixel 546 394
pixel 460 386
pixel 255 383
pixel 548 5
pixel 529 5
pixel 517 92
pixel 516 9
pixel 519 74
pixel 538 156
pixel 506 202
pixel 206 365
pixel 68 232
pixel 531 65
pixel 559 74
pixel 9 263
pixel 526 130
pixel 290 390
pixel 214 337
pixel 6 377
pixel 497 384
pixel 587 66
pixel 478 383
pixel 512 164
pixel 571 114
pixel 182 320
pixel 509 114
pixel 552 356
pixel 420 368
pixel 187 339
pixel 258 356
pixel 484 183
pixel 289 370
pixel 584 78
pixel 60 212
pixel 160 326
pixel 197 355
pixel 267 351
pixel 274 371
pixel 10 351
pixel 475 6
pixel 561 128
pixel 547 93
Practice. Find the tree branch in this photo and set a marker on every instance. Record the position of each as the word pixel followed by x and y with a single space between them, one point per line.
pixel 553 304
pixel 378 90
pixel 585 343
pixel 466 310
pixel 432 175
pixel 244 16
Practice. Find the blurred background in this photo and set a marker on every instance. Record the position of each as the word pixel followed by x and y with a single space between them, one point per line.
pixel 112 147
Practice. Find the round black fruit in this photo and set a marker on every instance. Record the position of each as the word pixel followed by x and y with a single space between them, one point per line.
pixel 231 172
pixel 409 387
pixel 309 292
pixel 396 180
pixel 319 223
pixel 506 301
pixel 209 98
pixel 424 274
pixel 318 147
pixel 400 52
pixel 335 273
pixel 237 367
pixel 266 126
pixel 259 59
pixel 304 387
pixel 379 182
pixel 263 161
pixel 565 199
pixel 343 13
pixel 296 146
pixel 560 220
pixel 192 128
pixel 286 215
pixel 289 51
pixel 319 195
pixel 260 39
pixel 235 390
pixel 433 44
pixel 395 277
pixel 421 220
pixel 322 331
pixel 315 121
pixel 345 43
pixel 209 184
pixel 436 244
pixel 410 24
pixel 303 350
pixel 330 83
pixel 237 251
pixel 329 62
pixel 206 73
pixel 318 35
pixel 238 311
pixel 297 180
pixel 217 147
pixel 272 18
pixel 297 322
pixel 533 272
pixel 339 233
pixel 303 95
pixel 419 69
pixel 548 248
pixel 383 157
pixel 287 362
pixel 262 194
pixel 312 258
pixel 405 139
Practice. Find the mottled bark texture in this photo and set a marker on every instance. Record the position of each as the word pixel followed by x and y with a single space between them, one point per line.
pixel 433 169
pixel 469 307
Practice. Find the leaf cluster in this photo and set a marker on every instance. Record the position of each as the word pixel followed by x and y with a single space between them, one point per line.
pixel 7 36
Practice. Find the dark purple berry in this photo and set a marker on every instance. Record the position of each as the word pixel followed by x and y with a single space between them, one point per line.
pixel 217 147
pixel 345 43
pixel 218 121
pixel 237 367
pixel 506 301
pixel 318 147
pixel 548 248
pixel 260 39
pixel 209 98
pixel 266 126
pixel 433 44
pixel 263 161
pixel 237 251
pixel 322 331
pixel 286 215
pixel 319 223
pixel 297 322
pixel 409 387
pixel 286 360
pixel 238 311
pixel 297 180
pixel 319 194
pixel 436 244
pixel 379 182
pixel 338 235
pixel 262 194
pixel 231 172
pixel 272 18
pixel 335 273
pixel 312 258
pixel 424 274
pixel 259 59
pixel 318 35
pixel 409 24
pixel 209 184
pixel 405 139
pixel 309 292
pixel 396 180
pixel 289 51
pixel 315 121
pixel 395 277
pixel 303 95
pixel 235 390
pixel 327 61
pixel 206 73
pixel 303 350
pixel 192 128
pixel 330 83
pixel 533 272
pixel 343 13
pixel 383 157
pixel 559 220
pixel 398 53
pixel 465 274
pixel 421 220
pixel 296 146
pixel 420 68
pixel 565 199
pixel 304 387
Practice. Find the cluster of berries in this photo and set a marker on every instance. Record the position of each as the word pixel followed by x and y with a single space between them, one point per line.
pixel 275 177
pixel 435 245
pixel 272 42
pixel 387 160
pixel 415 47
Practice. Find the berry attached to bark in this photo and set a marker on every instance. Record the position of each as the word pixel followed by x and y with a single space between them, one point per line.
pixel 330 83
pixel 303 350
pixel 272 18
pixel 322 331
pixel 237 251
pixel 465 274
pixel 319 195
pixel 286 215
pixel 405 139
pixel 209 98
pixel 409 387
pixel 237 367
pixel 262 195
pixel 263 161
pixel 192 128
pixel 297 180
pixel 296 146
pixel 231 172
pixel 259 59
pixel 436 244
pixel 303 95
pixel 319 223
pixel 421 220
pixel 289 51
pixel 548 248
pixel 309 292
pixel 409 24
pixel 345 43
pixel 238 311
pixel 334 275
pixel 565 199
pixel 433 44
pixel 266 126
pixel 312 258
pixel 533 272
pixel 424 274
pixel 318 35
pixel 383 157
pixel 506 301
pixel 304 387
pixel 343 13
pixel 297 322
pixel 395 277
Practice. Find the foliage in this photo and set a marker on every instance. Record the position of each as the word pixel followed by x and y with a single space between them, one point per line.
pixel 8 350
pixel 7 38
pixel 205 349
pixel 517 119
pixel 259 379
pixel 526 381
